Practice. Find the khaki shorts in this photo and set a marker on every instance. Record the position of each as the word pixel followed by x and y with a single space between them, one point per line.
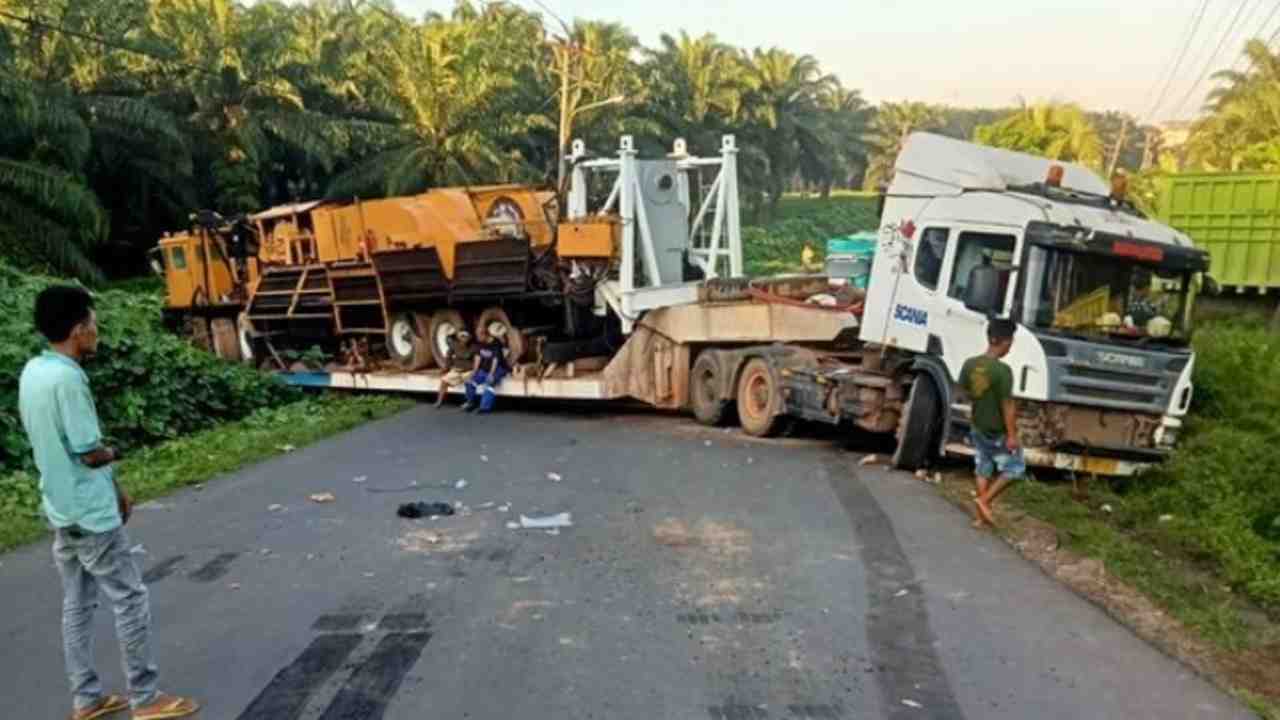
pixel 456 377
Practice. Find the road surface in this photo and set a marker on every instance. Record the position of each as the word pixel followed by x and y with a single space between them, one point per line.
pixel 706 576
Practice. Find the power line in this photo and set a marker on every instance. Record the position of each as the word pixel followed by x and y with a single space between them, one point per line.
pixel 1212 57
pixel 1258 33
pixel 1182 54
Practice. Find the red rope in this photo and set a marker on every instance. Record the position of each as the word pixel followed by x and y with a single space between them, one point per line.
pixel 768 297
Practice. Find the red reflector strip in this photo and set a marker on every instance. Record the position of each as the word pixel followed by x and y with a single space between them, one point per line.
pixel 1150 253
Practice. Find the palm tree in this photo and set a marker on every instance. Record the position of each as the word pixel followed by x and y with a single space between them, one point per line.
pixel 844 126
pixel 1241 127
pixel 1056 131
pixel 890 126
pixel 452 97
pixel 698 86
pixel 785 101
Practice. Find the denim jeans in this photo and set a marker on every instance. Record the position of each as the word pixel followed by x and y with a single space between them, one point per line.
pixel 93 562
pixel 484 382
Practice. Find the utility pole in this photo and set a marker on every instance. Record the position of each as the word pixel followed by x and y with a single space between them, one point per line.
pixel 1115 154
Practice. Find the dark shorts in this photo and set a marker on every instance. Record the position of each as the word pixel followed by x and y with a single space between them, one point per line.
pixel 991 456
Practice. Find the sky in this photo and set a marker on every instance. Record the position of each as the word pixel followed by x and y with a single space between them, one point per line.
pixel 1103 54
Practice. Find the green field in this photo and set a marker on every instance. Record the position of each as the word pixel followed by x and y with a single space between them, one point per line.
pixel 775 248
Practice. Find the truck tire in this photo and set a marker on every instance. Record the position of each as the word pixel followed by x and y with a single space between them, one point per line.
pixel 407 343
pixel 760 401
pixel 197 329
pixel 514 339
pixel 226 341
pixel 706 381
pixel 443 325
pixel 918 427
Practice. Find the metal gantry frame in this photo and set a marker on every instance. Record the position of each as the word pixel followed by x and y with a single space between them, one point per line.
pixel 705 249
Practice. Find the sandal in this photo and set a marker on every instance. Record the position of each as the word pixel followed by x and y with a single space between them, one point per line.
pixel 165 707
pixel 106 705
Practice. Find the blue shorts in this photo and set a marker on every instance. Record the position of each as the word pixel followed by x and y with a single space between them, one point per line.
pixel 991 455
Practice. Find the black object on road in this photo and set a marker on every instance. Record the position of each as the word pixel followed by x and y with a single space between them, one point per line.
pixel 424 509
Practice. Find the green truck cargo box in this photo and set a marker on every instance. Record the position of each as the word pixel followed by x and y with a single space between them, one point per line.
pixel 1235 217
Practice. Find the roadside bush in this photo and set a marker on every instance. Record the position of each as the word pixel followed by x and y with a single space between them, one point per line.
pixel 149 384
pixel 776 247
pixel 1222 487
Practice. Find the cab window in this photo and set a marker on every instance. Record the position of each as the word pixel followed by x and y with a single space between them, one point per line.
pixel 979 248
pixel 930 251
pixel 178 258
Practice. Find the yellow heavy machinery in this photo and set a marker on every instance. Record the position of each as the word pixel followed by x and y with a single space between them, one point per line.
pixel 387 279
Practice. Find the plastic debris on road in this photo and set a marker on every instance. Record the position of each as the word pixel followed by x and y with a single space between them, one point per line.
pixel 912 704
pixel 461 484
pixel 484 458
pixel 359 479
pixel 275 507
pixel 416 510
pixel 554 477
pixel 560 520
pixel 513 526
pixel 325 497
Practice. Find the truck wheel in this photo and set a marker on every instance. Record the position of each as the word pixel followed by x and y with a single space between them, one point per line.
pixel 918 427
pixel 760 399
pixel 197 329
pixel 226 341
pixel 444 324
pixel 407 344
pixel 514 339
pixel 705 384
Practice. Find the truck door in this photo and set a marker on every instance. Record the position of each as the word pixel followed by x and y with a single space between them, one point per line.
pixel 960 332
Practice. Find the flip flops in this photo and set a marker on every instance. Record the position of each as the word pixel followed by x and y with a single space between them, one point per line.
pixel 106 705
pixel 165 707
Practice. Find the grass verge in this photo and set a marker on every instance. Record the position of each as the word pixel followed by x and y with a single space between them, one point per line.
pixel 196 458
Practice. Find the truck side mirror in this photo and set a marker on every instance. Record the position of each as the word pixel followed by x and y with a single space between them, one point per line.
pixel 982 294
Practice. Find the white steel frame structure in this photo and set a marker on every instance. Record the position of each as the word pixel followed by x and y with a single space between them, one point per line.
pixel 705 249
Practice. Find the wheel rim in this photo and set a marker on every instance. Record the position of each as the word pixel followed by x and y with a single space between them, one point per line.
pixel 757 394
pixel 444 330
pixel 402 337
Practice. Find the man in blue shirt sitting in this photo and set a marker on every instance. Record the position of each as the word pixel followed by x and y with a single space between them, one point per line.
pixel 87 509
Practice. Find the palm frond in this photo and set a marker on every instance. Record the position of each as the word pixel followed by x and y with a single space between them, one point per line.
pixel 55 194
pixel 51 242
pixel 133 118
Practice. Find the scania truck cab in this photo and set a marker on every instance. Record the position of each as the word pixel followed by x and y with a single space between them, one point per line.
pixel 1101 360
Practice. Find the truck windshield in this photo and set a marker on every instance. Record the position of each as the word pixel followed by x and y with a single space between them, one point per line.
pixel 1100 295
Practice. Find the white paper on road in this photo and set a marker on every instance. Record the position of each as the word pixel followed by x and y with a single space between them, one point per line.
pixel 561 520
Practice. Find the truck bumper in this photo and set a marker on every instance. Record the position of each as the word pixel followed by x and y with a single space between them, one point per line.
pixel 1071 462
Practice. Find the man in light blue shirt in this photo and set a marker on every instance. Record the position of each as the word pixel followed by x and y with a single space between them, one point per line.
pixel 87 509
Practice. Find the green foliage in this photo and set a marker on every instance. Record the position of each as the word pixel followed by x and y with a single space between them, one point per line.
pixel 1056 131
pixel 1241 127
pixel 776 247
pixel 149 384
pixel 159 469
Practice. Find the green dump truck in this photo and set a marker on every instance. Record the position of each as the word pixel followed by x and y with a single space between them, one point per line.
pixel 1236 218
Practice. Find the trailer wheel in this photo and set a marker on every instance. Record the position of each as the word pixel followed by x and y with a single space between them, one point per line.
pixel 705 384
pixel 514 339
pixel 443 326
pixel 226 341
pixel 197 330
pixel 407 344
pixel 918 427
pixel 760 399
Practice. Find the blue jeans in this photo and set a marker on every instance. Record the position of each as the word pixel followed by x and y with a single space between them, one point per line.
pixel 89 562
pixel 992 455
pixel 484 383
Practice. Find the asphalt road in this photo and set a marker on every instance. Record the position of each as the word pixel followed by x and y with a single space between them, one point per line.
pixel 705 576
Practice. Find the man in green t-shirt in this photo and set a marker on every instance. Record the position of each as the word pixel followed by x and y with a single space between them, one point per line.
pixel 994 432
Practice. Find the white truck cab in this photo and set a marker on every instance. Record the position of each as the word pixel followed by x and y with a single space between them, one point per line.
pixel 1100 293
